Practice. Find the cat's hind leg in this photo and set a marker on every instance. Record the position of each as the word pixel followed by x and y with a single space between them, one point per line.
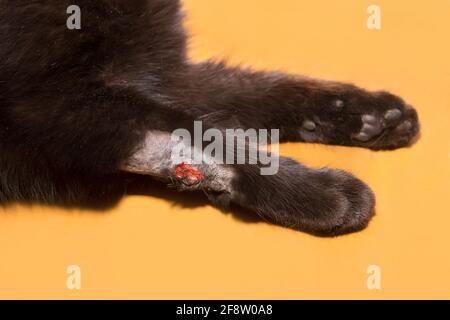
pixel 323 202
pixel 168 160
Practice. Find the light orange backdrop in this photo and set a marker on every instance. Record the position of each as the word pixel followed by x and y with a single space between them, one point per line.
pixel 148 248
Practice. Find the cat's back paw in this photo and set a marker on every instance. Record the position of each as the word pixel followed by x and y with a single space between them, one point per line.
pixel 325 202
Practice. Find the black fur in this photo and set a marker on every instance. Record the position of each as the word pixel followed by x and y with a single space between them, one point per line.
pixel 75 104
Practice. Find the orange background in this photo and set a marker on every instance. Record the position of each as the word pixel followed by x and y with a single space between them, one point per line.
pixel 148 248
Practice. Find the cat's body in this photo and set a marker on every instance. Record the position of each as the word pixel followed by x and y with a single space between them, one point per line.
pixel 78 107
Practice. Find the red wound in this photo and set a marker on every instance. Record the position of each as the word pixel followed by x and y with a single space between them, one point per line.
pixel 186 171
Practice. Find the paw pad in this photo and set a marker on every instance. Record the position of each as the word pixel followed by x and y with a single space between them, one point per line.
pixel 404 126
pixel 368 118
pixel 371 127
pixel 362 136
pixel 338 104
pixel 309 125
pixel 393 114
pixel 392 120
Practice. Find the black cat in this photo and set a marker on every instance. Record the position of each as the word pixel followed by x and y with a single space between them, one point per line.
pixel 78 107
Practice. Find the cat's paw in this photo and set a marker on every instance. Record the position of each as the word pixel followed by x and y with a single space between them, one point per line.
pixel 324 202
pixel 356 203
pixel 390 126
pixel 378 121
